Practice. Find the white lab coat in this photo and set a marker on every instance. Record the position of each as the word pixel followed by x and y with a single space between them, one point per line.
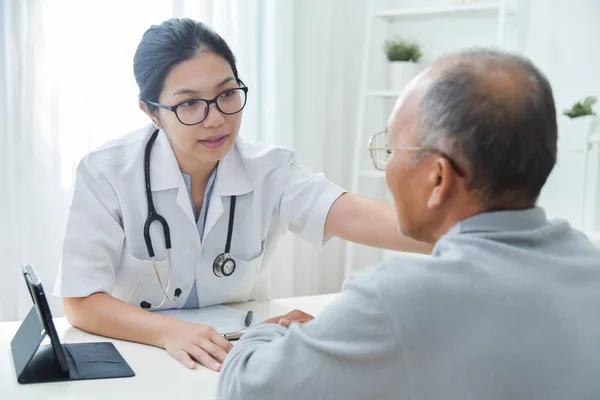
pixel 104 248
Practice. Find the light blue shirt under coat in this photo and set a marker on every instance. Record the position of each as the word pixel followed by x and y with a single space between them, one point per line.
pixel 192 300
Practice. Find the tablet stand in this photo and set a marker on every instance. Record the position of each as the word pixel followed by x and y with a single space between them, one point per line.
pixel 36 364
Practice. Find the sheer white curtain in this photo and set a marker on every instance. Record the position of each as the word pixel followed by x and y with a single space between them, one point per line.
pixel 65 86
pixel 327 49
pixel 29 172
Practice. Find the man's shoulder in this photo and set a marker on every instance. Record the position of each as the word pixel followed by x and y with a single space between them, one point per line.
pixel 415 278
pixel 466 268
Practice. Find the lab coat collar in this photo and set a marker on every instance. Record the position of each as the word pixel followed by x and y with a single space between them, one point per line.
pixel 164 169
pixel 233 178
pixel 165 173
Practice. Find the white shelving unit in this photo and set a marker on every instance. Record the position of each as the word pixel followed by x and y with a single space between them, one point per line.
pixel 591 143
pixel 498 9
pixel 395 14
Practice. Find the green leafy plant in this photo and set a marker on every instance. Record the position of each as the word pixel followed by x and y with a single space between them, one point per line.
pixel 402 50
pixel 581 109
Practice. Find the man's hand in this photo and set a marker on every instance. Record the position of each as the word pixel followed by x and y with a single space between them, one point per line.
pixel 286 320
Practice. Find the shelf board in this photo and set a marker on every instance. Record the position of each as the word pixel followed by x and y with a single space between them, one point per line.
pixel 371 173
pixel 384 93
pixel 392 14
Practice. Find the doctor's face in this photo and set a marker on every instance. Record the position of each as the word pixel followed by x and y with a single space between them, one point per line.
pixel 207 76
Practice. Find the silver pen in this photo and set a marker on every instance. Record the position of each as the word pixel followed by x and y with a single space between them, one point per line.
pixel 234 335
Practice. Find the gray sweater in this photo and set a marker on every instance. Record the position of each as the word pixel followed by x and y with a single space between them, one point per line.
pixel 508 307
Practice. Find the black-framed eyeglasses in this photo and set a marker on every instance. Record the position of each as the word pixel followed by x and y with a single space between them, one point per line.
pixel 194 111
pixel 380 152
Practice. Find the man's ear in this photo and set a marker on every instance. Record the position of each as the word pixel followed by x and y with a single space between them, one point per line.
pixel 442 181
pixel 152 114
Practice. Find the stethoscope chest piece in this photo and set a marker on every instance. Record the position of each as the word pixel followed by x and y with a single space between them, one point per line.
pixel 223 265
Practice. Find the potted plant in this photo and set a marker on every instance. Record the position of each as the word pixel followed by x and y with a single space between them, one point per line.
pixel 404 56
pixel 582 109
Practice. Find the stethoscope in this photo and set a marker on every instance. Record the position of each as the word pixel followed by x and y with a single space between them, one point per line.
pixel 223 265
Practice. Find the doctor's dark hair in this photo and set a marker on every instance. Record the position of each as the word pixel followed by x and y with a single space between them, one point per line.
pixel 164 46
pixel 494 113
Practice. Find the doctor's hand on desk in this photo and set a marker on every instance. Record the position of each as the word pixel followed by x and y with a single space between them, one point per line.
pixel 296 316
pixel 188 342
pixel 104 315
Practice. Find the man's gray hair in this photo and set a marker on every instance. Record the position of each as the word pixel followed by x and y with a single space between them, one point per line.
pixel 493 113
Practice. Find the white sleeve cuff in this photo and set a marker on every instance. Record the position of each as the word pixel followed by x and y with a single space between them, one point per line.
pixel 314 231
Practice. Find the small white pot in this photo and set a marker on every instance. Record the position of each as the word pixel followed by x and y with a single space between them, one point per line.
pixel 580 125
pixel 401 73
pixel 573 133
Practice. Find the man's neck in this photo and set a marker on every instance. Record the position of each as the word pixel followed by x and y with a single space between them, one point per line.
pixel 469 209
pixel 449 220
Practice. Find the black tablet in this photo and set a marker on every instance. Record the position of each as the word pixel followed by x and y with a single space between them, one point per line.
pixel 35 363
pixel 38 296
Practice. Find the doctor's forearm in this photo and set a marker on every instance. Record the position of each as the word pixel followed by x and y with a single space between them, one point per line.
pixel 369 222
pixel 104 315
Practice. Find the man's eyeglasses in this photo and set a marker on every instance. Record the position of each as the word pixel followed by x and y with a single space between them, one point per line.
pixel 380 152
pixel 194 111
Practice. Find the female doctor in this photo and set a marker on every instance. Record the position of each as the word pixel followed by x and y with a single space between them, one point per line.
pixel 185 213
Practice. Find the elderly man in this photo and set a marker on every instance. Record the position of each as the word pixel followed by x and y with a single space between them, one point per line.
pixel 507 307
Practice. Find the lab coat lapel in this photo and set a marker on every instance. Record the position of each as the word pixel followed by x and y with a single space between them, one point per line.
pixel 215 209
pixel 166 174
pixel 233 179
pixel 183 200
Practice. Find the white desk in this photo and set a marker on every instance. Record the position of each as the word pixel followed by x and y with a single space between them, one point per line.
pixel 158 375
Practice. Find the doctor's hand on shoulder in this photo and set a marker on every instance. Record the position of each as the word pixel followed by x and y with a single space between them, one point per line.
pixel 185 213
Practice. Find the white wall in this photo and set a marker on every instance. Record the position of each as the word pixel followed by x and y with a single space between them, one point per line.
pixel 561 37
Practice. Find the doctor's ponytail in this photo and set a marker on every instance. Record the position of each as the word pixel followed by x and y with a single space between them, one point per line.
pixel 168 44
